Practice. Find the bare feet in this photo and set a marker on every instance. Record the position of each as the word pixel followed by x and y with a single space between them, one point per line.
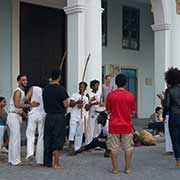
pixel 127 171
pixel 178 163
pixel 58 166
pixel 115 171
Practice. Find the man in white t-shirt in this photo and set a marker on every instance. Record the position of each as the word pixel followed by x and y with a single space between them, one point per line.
pixel 78 101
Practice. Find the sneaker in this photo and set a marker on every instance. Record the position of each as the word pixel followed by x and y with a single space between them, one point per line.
pixel 4 150
pixel 157 136
pixel 97 148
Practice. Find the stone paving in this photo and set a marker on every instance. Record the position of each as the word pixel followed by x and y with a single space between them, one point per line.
pixel 148 164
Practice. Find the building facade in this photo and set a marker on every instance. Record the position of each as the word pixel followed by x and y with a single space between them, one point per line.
pixel 137 37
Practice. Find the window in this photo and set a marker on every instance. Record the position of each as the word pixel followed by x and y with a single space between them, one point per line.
pixel 131 28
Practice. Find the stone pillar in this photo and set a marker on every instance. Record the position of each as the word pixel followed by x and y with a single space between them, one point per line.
pixel 75 11
pixel 94 39
pixel 5 48
pixel 162 57
pixel 15 41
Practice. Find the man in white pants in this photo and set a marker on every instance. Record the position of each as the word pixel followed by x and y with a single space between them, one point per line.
pixel 36 119
pixel 93 128
pixel 168 143
pixel 78 101
pixel 14 119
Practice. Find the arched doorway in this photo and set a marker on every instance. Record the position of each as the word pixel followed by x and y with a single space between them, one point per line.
pixel 150 60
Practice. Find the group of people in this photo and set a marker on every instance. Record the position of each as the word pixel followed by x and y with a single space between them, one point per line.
pixel 88 125
pixel 95 120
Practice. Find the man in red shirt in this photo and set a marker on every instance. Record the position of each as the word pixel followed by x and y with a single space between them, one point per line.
pixel 120 104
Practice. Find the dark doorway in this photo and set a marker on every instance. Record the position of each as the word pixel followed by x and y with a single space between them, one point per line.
pixel 42 41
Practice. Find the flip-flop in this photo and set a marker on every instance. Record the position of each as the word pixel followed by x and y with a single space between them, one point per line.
pixel 58 167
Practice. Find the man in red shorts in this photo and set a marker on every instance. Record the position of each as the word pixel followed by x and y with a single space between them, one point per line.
pixel 120 104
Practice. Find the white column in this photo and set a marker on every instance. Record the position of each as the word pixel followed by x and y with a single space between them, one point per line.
pixel 175 36
pixel 162 57
pixel 15 42
pixel 75 11
pixel 94 39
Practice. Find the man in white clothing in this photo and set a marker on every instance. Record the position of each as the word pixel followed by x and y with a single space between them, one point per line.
pixel 14 119
pixel 168 143
pixel 93 129
pixel 78 101
pixel 36 119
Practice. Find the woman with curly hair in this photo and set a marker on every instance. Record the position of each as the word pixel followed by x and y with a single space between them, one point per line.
pixel 172 106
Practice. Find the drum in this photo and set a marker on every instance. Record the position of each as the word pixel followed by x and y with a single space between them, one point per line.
pixel 100 108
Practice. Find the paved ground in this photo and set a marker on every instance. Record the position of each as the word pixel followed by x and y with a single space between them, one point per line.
pixel 148 164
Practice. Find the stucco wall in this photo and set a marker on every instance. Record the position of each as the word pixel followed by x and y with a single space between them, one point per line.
pixel 143 60
pixel 175 35
pixel 5 48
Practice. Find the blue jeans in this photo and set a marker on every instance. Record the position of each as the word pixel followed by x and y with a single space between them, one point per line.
pixel 174 129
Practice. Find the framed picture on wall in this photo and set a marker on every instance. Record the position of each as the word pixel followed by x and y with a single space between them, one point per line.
pixel 131 28
pixel 104 23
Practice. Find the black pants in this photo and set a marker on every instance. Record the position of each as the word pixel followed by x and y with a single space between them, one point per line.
pixel 174 129
pixel 54 136
pixel 159 126
pixel 96 143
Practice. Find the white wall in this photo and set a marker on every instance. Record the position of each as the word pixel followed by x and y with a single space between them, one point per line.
pixel 175 58
pixel 5 48
pixel 143 60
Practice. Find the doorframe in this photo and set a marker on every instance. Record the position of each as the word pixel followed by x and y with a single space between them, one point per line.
pixel 58 4
pixel 138 104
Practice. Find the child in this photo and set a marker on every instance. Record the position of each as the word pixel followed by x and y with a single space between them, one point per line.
pixel 157 123
pixel 3 126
